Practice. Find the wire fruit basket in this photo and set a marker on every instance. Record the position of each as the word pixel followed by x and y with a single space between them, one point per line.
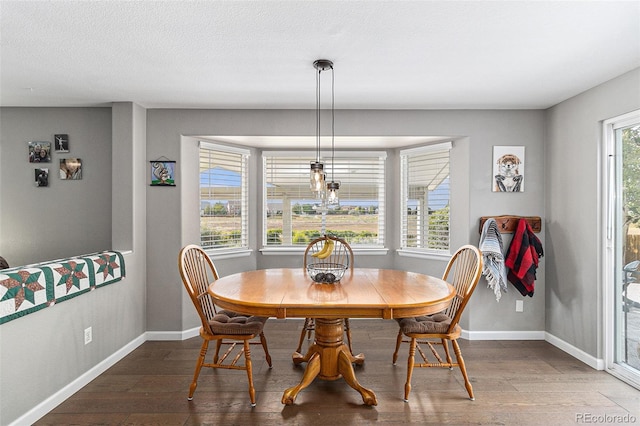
pixel 326 272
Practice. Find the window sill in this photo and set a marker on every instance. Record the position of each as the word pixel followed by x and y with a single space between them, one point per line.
pixel 421 254
pixel 371 251
pixel 296 251
pixel 221 254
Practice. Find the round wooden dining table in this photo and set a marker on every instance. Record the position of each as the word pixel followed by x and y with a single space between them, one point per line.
pixel 361 293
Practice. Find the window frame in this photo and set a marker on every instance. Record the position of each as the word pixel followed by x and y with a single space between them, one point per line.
pixel 305 158
pixel 245 213
pixel 420 252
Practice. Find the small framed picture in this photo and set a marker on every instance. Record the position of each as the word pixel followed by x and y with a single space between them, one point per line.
pixel 70 168
pixel 508 169
pixel 61 143
pixel 42 177
pixel 39 152
pixel 163 173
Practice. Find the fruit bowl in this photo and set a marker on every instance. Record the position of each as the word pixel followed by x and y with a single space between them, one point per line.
pixel 326 272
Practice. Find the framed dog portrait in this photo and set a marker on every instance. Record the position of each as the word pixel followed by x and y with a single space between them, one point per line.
pixel 508 169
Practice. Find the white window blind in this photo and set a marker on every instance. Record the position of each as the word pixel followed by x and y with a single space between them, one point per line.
pixel 223 196
pixel 425 196
pixel 292 216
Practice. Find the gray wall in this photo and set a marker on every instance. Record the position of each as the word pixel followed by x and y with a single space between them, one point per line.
pixel 574 134
pixel 171 134
pixel 43 352
pixel 69 217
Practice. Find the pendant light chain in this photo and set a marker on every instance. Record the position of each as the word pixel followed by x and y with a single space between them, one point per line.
pixel 318 116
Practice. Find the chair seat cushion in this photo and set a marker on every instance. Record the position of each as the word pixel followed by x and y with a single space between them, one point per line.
pixel 437 323
pixel 229 322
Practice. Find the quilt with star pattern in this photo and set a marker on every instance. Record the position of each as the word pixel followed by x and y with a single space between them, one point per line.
pixel 27 289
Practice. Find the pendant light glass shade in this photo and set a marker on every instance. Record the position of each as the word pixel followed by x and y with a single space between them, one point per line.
pixel 332 193
pixel 317 181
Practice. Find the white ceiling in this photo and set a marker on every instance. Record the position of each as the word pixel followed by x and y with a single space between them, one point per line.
pixel 259 54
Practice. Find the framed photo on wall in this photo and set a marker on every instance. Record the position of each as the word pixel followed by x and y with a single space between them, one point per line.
pixel 163 173
pixel 70 169
pixel 61 143
pixel 39 152
pixel 42 177
pixel 508 169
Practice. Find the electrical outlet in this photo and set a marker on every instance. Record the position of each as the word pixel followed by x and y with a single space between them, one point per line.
pixel 87 336
pixel 519 305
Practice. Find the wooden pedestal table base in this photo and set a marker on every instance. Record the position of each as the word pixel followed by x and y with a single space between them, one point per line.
pixel 329 359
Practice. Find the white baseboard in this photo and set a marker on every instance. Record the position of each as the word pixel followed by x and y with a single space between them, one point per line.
pixel 577 353
pixel 590 360
pixel 57 398
pixel 502 335
pixel 172 335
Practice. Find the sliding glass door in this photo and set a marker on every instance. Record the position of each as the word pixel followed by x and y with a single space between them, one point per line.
pixel 621 269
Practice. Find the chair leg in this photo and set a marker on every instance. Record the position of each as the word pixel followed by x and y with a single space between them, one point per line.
pixel 410 363
pixel 348 330
pixel 263 340
pixel 467 383
pixel 398 343
pixel 249 366
pixel 305 328
pixel 445 345
pixel 196 373
pixel 216 355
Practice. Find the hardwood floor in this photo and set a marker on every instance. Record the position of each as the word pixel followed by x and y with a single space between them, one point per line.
pixel 515 383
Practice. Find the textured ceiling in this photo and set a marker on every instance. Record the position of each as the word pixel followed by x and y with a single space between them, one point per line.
pixel 259 54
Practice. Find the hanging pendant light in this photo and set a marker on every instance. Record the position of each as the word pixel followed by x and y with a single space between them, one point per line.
pixel 333 187
pixel 317 174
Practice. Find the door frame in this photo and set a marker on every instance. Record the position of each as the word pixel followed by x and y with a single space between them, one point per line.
pixel 608 245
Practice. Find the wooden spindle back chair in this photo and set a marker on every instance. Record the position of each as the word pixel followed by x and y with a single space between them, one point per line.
pixel 463 272
pixel 225 327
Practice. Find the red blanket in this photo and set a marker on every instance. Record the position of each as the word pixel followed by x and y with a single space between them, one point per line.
pixel 522 258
